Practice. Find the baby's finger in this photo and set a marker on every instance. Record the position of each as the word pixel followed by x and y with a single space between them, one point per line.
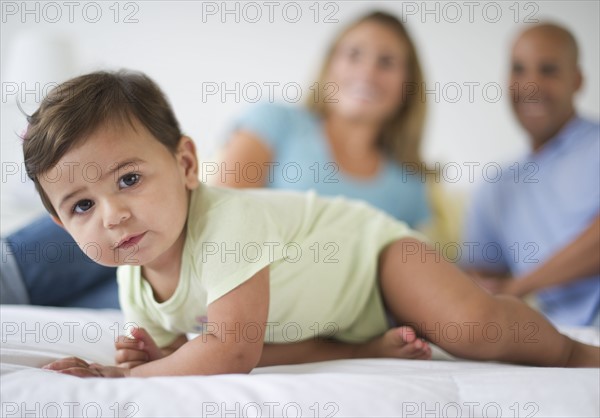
pixel 66 363
pixel 123 355
pixel 81 372
pixel 131 364
pixel 148 343
pixel 128 342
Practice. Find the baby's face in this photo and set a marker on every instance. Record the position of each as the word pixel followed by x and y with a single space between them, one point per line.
pixel 123 196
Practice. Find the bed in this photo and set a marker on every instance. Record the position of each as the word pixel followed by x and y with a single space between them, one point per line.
pixel 33 336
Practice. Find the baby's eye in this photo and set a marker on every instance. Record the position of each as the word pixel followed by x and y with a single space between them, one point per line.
pixel 129 180
pixel 82 206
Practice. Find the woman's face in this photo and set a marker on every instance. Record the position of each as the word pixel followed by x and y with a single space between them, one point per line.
pixel 368 70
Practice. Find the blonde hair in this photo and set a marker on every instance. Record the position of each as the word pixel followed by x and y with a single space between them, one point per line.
pixel 401 135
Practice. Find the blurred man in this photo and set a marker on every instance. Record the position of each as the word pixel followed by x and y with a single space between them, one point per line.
pixel 537 230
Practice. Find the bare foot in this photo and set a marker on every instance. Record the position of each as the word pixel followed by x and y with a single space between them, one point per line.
pixel 400 342
pixel 583 355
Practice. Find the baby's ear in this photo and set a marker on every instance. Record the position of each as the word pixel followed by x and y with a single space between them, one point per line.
pixel 188 161
pixel 57 221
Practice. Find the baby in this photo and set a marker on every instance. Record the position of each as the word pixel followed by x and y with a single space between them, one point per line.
pixel 264 277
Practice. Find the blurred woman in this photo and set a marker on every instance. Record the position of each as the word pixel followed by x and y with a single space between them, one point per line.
pixel 358 136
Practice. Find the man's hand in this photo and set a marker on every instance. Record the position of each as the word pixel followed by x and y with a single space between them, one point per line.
pixel 495 285
pixel 80 368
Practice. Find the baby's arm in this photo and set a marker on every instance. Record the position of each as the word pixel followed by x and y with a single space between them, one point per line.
pixel 400 342
pixel 224 350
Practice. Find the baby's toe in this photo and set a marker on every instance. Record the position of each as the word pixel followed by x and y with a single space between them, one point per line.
pixel 407 334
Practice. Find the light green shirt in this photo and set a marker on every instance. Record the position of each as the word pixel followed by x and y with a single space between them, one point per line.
pixel 322 254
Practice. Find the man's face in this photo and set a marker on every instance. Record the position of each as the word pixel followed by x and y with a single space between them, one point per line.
pixel 544 79
pixel 123 195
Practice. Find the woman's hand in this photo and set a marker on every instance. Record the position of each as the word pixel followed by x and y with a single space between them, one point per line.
pixel 80 368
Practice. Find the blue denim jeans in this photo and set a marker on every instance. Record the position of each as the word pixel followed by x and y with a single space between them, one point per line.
pixel 42 265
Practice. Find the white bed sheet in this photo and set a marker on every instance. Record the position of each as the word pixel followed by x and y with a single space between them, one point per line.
pixel 34 336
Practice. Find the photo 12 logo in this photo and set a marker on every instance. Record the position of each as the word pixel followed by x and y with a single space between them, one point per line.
pixel 70 12
pixel 267 91
pixel 270 11
pixel 69 409
pixel 470 11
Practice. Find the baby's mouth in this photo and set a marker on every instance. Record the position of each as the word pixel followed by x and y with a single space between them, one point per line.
pixel 130 241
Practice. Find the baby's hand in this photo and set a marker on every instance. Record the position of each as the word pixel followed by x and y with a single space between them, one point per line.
pixel 138 349
pixel 80 368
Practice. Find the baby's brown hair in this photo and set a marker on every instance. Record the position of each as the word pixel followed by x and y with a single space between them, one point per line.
pixel 78 107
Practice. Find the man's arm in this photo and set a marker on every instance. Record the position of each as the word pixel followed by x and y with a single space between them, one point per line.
pixel 580 258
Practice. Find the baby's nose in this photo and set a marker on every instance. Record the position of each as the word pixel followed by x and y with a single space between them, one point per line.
pixel 115 213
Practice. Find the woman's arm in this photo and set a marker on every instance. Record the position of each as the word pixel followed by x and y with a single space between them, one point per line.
pixel 244 153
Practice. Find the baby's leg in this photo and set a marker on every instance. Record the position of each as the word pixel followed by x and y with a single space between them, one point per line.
pixel 423 290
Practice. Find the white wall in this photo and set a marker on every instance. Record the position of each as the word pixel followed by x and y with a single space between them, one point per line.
pixel 186 49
